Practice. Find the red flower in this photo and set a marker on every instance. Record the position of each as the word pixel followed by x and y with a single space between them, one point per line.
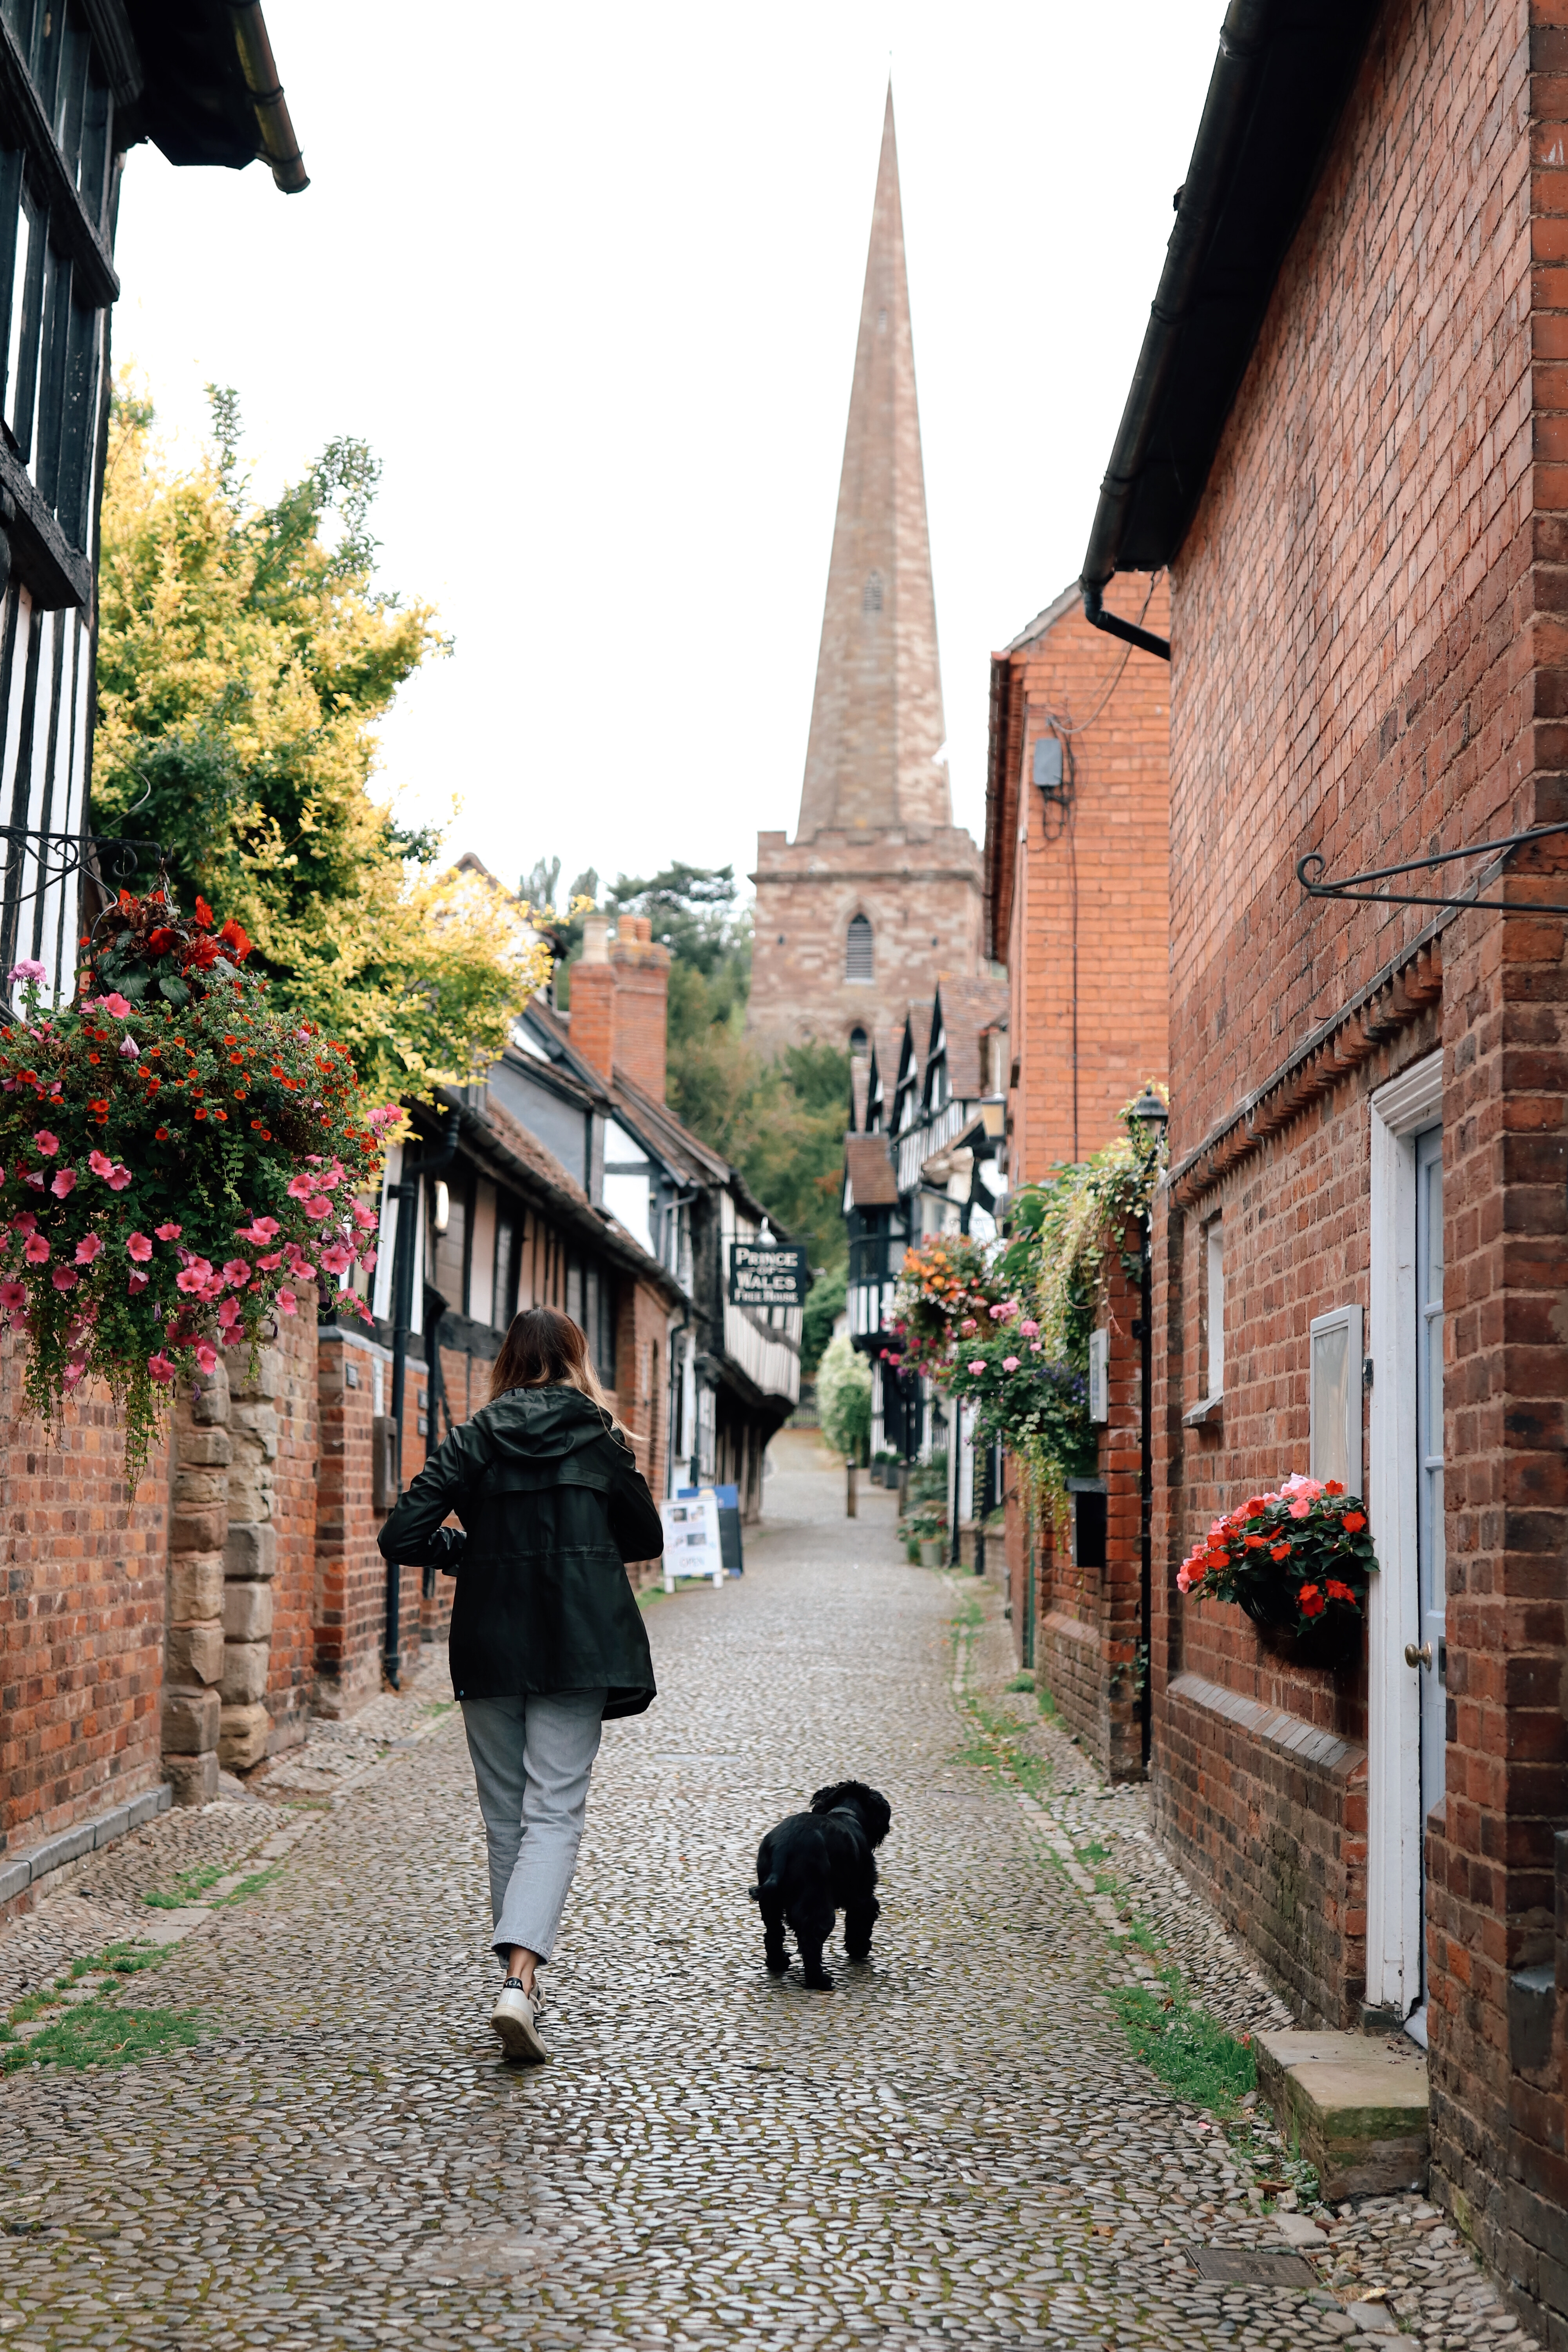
pixel 233 937
pixel 1338 1591
pixel 1312 1602
pixel 204 915
pixel 160 941
pixel 1355 1521
pixel 1335 1486
pixel 1279 1551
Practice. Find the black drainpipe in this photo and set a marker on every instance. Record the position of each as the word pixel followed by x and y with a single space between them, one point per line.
pixel 1146 1489
pixel 1095 614
pixel 431 1162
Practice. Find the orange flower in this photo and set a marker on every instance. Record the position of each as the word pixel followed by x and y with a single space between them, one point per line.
pixel 1355 1521
pixel 1312 1602
pixel 1279 1551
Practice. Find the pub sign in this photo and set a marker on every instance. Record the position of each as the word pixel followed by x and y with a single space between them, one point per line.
pixel 776 1276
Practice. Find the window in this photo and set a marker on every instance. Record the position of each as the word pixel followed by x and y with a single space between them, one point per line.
pixel 871 601
pixel 859 964
pixel 1334 1398
pixel 1214 1319
pixel 856 1039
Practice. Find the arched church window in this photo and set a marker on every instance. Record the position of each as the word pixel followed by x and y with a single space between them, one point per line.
pixel 871 602
pixel 856 1039
pixel 858 962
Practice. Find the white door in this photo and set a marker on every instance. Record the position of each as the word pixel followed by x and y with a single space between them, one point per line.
pixel 1427 1655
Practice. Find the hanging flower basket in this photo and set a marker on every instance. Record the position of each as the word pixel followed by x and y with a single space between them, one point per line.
pixel 175 1157
pixel 1298 1561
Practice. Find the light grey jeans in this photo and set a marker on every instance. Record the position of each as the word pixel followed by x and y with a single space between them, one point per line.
pixel 533 1759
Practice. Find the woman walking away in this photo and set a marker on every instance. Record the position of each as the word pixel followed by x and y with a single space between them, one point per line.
pixel 547 1637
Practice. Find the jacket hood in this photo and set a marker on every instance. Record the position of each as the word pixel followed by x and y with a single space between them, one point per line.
pixel 545 1424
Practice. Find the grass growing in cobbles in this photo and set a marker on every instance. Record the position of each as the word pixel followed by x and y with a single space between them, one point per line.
pixel 1181 2042
pixel 102 2033
pixel 94 2032
pixel 189 1887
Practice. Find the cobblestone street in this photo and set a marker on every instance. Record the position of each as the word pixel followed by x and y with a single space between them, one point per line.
pixel 956 2145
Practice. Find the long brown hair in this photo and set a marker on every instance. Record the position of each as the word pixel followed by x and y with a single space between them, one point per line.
pixel 546 1349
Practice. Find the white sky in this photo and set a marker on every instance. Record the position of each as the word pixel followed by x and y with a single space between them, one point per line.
pixel 588 281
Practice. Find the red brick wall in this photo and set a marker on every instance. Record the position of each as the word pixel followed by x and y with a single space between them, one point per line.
pixel 351 1581
pixel 81 1615
pixel 1108 850
pixel 1370 663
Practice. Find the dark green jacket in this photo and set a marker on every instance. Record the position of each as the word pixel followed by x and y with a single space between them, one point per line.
pixel 552 1506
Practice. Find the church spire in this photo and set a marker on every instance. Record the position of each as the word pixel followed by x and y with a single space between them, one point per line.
pixel 876 720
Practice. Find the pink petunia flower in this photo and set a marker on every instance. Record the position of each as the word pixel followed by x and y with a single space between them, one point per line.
pixel 12 1294
pixel 130 1051
pixel 63 1279
pixel 162 1370
pixel 228 1313
pixel 25 1220
pixel 318 1208
pixel 190 1280
pixel 235 1270
pixel 34 1177
pixel 299 1188
pixel 90 1247
pixel 36 1252
pixel 1009 1363
pixel 114 1002
pixel 337 1260
pixel 366 1217
pixel 260 1229
pixel 287 1303
pixel 139 1248
pixel 270 1264
pixel 136 1282
pixel 47 1144
pixel 64 1183
pixel 368 1261
pixel 978 1366
pixel 101 1163
pixel 168 1233
pixel 118 1177
pixel 206 1356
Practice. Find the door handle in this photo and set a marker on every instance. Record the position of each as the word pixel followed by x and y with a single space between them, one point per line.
pixel 1419 1657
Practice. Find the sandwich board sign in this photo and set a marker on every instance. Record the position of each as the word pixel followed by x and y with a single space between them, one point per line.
pixel 774 1273
pixel 692 1542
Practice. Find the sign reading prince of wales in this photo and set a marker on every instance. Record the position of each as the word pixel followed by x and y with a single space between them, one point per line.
pixel 773 1274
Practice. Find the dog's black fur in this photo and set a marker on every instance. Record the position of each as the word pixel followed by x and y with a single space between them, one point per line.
pixel 817 1863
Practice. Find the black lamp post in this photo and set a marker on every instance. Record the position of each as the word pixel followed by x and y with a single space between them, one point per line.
pixel 1152 1114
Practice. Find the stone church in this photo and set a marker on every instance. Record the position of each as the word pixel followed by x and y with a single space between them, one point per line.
pixel 879 895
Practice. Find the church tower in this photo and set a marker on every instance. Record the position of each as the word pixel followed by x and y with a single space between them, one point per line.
pixel 879 895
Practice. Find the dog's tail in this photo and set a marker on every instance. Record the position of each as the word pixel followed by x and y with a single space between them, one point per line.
pixel 757 1893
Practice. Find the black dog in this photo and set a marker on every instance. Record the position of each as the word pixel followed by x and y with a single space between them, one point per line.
pixel 817 1863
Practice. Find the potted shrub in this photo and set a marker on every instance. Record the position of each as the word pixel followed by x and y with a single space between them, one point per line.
pixel 1297 1561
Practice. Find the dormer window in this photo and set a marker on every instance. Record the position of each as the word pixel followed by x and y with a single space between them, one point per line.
pixel 859 965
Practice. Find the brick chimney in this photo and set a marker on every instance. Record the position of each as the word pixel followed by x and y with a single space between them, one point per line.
pixel 620 992
pixel 641 972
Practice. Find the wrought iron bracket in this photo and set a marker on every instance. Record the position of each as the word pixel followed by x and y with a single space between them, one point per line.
pixel 1309 869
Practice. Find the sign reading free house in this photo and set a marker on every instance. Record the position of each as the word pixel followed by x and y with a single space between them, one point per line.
pixel 773 1276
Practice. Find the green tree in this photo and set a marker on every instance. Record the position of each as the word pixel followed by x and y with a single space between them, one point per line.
pixel 243 662
pixel 844 1399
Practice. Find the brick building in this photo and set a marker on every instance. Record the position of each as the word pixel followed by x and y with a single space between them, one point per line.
pixel 879 890
pixel 1077 892
pixel 1342 438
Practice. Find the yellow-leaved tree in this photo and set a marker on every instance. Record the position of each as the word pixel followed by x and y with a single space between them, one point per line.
pixel 244 660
